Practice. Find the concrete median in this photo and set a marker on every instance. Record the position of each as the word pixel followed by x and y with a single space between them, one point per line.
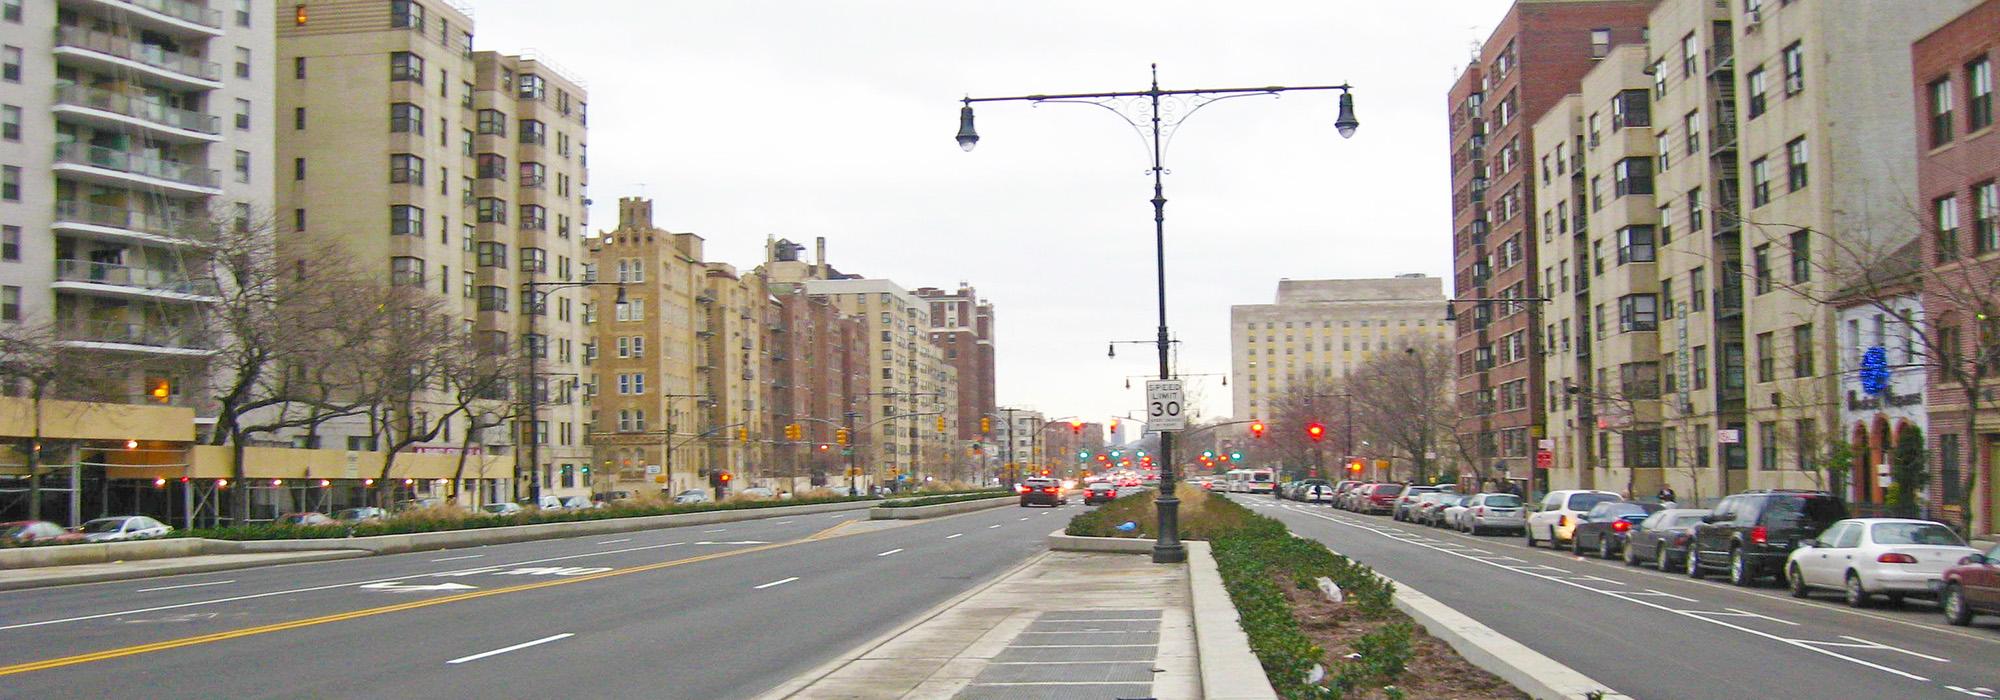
pixel 939 510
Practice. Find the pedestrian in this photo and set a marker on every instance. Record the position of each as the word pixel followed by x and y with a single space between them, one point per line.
pixel 1667 495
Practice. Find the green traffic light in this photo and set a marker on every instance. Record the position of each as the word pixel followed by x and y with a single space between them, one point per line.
pixel 1083 454
pixel 1235 456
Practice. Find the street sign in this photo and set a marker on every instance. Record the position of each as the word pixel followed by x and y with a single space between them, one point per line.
pixel 1728 437
pixel 1545 459
pixel 1164 405
pixel 652 469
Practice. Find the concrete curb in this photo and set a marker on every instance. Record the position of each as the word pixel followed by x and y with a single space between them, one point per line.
pixel 1229 670
pixel 1114 545
pixel 1537 675
pixel 33 557
pixel 941 509
pixel 62 579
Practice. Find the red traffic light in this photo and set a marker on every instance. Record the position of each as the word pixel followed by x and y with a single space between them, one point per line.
pixel 1316 431
pixel 1076 427
pixel 1257 429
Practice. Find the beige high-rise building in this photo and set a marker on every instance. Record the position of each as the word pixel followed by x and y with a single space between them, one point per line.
pixel 646 397
pixel 1321 330
pixel 456 171
pixel 909 378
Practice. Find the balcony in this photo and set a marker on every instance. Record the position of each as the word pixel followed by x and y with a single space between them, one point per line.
pixel 132 282
pixel 181 16
pixel 117 52
pixel 117 111
pixel 118 167
pixel 117 224
pixel 135 337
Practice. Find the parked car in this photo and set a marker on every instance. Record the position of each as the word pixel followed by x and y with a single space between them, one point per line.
pixel 1493 511
pixel 1427 504
pixel 1313 491
pixel 1561 511
pixel 1604 528
pixel 122 527
pixel 1099 492
pixel 1663 538
pixel 32 531
pixel 1407 502
pixel 418 503
pixel 1864 557
pixel 758 492
pixel 1041 491
pixel 1450 511
pixel 360 515
pixel 1750 534
pixel 1973 586
pixel 304 519
pixel 502 508
pixel 1378 498
pixel 580 503
pixel 691 496
pixel 1341 489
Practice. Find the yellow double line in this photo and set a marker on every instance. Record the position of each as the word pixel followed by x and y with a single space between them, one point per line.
pixel 386 609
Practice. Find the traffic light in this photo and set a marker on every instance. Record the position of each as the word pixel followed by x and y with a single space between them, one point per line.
pixel 940 424
pixel 840 436
pixel 1257 429
pixel 1117 453
pixel 1083 454
pixel 985 425
pixel 1236 456
pixel 824 447
pixel 792 431
pixel 1114 426
pixel 725 477
pixel 742 434
pixel 1075 427
pixel 1354 465
pixel 1316 431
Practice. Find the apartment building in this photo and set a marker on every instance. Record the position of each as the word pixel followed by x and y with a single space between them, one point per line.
pixel 1014 436
pixel 1317 331
pixel 962 327
pixel 1599 232
pixel 453 170
pixel 1958 161
pixel 911 386
pixel 640 378
pixel 1535 56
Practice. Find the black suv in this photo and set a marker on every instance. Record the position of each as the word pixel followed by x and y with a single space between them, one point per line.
pixel 1750 534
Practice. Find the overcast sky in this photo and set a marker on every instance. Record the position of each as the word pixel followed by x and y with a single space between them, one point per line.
pixel 834 118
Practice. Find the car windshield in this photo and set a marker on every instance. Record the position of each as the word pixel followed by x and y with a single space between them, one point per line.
pixel 106 525
pixel 12 530
pixel 1689 520
pixel 1505 500
pixel 1584 501
pixel 1915 533
pixel 1389 489
pixel 1100 486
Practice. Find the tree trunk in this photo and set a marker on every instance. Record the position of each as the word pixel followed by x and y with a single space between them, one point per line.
pixel 238 476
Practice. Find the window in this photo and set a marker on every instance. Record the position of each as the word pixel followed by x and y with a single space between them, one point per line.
pixel 1697 289
pixel 492 210
pixel 1600 43
pixel 1690 49
pixel 533 174
pixel 1694 210
pixel 10 303
pixel 1948 468
pixel 10 243
pixel 406 271
pixel 492 254
pixel 1667 298
pixel 1590 128
pixel 299 68
pixel 298 117
pixel 242 12
pixel 1596 192
pixel 534 132
pixel 1700 362
pixel 406 118
pixel 404 14
pixel 1635 244
pixel 1767 357
pixel 10 64
pixel 1801 256
pixel 1634 176
pixel 242 114
pixel 532 87
pixel 1979 95
pixel 406 66
pixel 1692 124
pixel 1760 268
pixel 1941 111
pixel 492 298
pixel 534 217
pixel 1630 108
pixel 298 219
pixel 406 220
pixel 1638 312
pixel 242 62
pixel 1795 69
pixel 1660 146
pixel 10 10
pixel 1945 218
pixel 10 183
pixel 1767 446
pixel 1795 163
pixel 1760 182
pixel 1986 215
pixel 242 166
pixel 1660 78
pixel 1802 350
pixel 1755 81
pixel 10 123
pixel 406 168
pixel 492 122
pixel 492 166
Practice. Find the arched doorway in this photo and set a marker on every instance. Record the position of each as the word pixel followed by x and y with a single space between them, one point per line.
pixel 1858 478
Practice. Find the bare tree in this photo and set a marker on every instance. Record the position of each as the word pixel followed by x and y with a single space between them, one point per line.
pixel 477 382
pixel 36 362
pixel 1403 404
pixel 405 362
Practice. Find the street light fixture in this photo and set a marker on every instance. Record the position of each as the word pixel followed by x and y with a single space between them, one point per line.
pixel 535 384
pixel 1162 125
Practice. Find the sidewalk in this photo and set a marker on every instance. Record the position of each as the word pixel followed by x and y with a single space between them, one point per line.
pixel 37 577
pixel 1065 625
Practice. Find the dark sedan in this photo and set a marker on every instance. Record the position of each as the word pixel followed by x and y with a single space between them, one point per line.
pixel 1603 528
pixel 1099 492
pixel 1662 540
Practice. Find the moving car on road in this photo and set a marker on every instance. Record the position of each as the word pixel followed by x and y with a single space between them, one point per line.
pixel 502 508
pixel 305 519
pixel 32 531
pixel 1493 511
pixel 1560 513
pixel 691 496
pixel 1973 586
pixel 122 527
pixel 360 515
pixel 1099 492
pixel 1863 557
pixel 1751 533
pixel 1604 528
pixel 1663 538
pixel 1042 491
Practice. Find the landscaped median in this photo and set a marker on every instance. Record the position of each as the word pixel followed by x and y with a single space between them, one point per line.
pixel 1308 645
pixel 932 506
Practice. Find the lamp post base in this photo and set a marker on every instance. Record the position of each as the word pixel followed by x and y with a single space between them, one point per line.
pixel 1168 548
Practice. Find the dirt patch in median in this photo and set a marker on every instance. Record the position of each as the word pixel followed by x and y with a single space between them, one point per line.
pixel 1434 669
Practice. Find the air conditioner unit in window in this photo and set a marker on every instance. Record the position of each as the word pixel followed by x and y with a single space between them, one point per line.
pixel 1753 19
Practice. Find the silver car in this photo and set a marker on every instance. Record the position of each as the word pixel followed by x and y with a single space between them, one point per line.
pixel 1493 511
pixel 123 527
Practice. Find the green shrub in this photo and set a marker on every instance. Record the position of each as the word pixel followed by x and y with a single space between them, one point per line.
pixel 945 498
pixel 446 518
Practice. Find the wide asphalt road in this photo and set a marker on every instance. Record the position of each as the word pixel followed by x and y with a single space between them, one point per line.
pixel 719 611
pixel 1662 636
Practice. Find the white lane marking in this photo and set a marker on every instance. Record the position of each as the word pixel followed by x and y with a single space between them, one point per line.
pixel 892 551
pixel 517 647
pixel 1979 692
pixel 253 596
pixel 954 536
pixel 184 585
pixel 735 542
pixel 468 556
pixel 782 522
pixel 393 586
pixel 616 541
pixel 1024 518
pixel 719 529
pixel 990 527
pixel 1809 645
pixel 778 582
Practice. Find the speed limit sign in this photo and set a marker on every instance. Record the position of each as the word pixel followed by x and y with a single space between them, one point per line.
pixel 1165 405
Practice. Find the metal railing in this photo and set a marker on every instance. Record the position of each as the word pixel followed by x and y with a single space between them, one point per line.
pixel 125 276
pixel 195 12
pixel 137 164
pixel 133 334
pixel 149 54
pixel 139 107
pixel 116 217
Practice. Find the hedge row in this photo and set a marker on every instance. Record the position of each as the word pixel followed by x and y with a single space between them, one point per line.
pixel 946 498
pixel 443 519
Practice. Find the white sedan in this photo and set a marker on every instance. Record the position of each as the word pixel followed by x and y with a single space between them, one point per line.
pixel 123 527
pixel 1864 557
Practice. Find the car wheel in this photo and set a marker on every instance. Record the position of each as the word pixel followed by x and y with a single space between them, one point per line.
pixel 1576 546
pixel 1739 569
pixel 1857 597
pixel 1603 547
pixel 1796 582
pixel 1663 558
pixel 1956 612
pixel 1529 532
pixel 1693 563
pixel 1631 558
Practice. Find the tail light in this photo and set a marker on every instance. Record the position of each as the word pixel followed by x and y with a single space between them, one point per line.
pixel 1562 521
pixel 1896 558
pixel 1682 538
pixel 1020 488
pixel 1479 510
pixel 1759 535
pixel 1621 526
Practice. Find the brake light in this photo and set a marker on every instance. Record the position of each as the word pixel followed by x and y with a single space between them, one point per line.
pixel 1020 488
pixel 1621 526
pixel 1759 535
pixel 1562 521
pixel 1480 510
pixel 1896 558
